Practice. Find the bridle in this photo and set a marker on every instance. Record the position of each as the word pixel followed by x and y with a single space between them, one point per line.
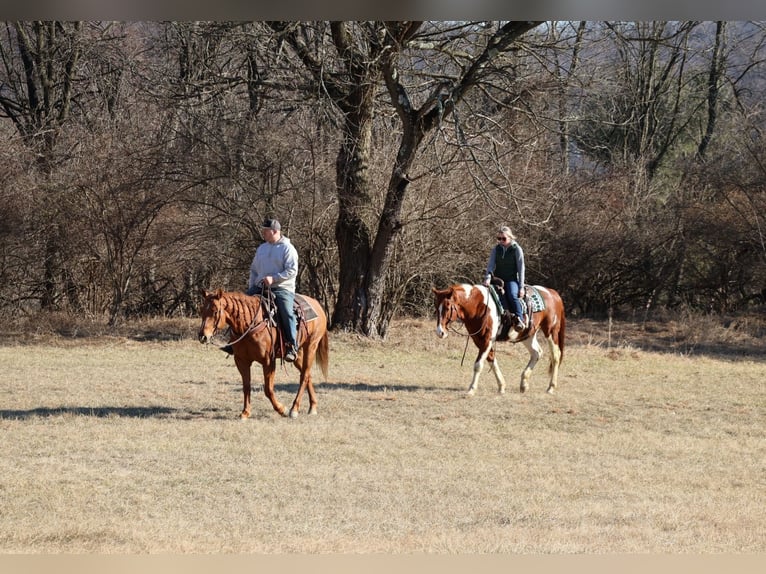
pixel 451 315
pixel 255 325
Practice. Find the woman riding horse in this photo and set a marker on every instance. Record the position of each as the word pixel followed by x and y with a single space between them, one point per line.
pixel 506 261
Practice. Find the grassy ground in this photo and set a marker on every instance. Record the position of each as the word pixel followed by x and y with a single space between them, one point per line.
pixel 131 444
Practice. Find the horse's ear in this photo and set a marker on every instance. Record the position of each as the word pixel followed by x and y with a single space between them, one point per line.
pixel 442 292
pixel 218 293
pixel 202 292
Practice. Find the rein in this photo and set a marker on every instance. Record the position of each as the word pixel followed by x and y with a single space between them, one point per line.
pixel 467 335
pixel 250 329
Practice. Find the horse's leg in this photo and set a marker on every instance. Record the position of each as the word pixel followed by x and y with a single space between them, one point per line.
pixel 305 382
pixel 553 369
pixel 299 364
pixel 535 352
pixel 484 349
pixel 305 363
pixel 268 388
pixel 243 366
pixel 492 358
pixel 312 396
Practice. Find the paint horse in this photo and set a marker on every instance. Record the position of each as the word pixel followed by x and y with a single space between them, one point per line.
pixel 254 338
pixel 478 310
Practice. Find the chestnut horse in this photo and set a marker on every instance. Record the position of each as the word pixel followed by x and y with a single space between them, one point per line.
pixel 254 337
pixel 475 307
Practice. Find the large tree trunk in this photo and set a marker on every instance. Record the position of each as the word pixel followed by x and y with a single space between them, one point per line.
pixel 374 319
pixel 351 231
pixel 356 100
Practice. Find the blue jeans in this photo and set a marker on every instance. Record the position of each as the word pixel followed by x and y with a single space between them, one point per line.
pixel 512 295
pixel 284 300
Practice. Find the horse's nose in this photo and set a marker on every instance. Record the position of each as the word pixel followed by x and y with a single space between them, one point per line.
pixel 441 333
pixel 202 337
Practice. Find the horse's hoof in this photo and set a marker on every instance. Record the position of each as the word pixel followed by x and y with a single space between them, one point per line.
pixel 293 414
pixel 550 390
pixel 244 417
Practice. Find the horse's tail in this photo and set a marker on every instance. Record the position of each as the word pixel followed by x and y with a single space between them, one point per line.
pixel 323 354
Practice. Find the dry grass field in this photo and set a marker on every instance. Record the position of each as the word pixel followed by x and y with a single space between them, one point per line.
pixel 654 443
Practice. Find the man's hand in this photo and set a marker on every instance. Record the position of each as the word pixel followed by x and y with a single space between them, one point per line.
pixel 268 280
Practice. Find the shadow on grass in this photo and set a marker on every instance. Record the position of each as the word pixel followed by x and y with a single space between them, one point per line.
pixel 211 413
pixel 96 412
pixel 372 388
pixel 292 388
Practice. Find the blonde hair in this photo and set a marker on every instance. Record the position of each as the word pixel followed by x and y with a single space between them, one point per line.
pixel 505 230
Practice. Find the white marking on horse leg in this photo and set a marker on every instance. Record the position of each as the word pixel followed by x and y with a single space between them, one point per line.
pixel 498 376
pixel 535 352
pixel 554 366
pixel 477 368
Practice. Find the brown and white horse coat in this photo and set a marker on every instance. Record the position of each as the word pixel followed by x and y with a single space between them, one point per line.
pixel 474 306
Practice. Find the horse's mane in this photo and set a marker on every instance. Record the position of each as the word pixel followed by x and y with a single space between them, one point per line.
pixel 241 308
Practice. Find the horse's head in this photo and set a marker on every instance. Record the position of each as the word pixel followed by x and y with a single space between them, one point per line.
pixel 447 309
pixel 213 315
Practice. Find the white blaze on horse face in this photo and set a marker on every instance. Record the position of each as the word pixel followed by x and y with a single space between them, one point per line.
pixel 206 330
pixel 440 332
pixel 208 327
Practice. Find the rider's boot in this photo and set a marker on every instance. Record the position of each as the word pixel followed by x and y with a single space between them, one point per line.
pixel 505 326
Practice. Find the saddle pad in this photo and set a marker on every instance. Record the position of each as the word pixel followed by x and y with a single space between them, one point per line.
pixel 496 298
pixel 307 310
pixel 536 302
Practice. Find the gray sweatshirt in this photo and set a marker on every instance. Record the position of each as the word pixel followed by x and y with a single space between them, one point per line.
pixel 280 260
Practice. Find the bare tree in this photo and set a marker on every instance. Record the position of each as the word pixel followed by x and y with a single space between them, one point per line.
pixel 367 53
pixel 139 159
pixel 39 67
